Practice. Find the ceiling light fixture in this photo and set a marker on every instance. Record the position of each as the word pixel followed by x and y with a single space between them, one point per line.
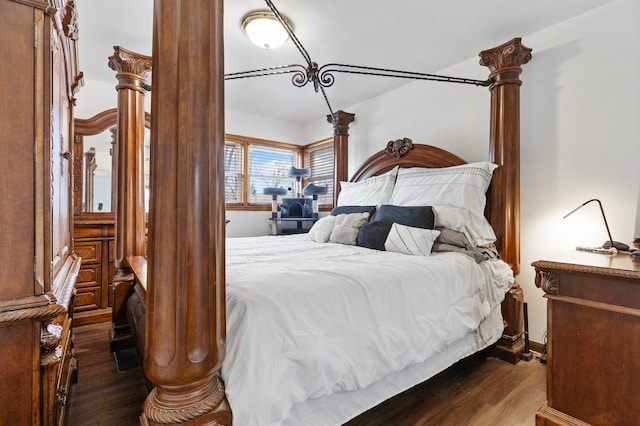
pixel 264 30
pixel 323 76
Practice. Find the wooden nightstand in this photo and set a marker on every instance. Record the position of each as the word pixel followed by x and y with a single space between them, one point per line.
pixel 593 335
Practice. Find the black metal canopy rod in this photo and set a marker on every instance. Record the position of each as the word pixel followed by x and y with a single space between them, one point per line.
pixel 323 76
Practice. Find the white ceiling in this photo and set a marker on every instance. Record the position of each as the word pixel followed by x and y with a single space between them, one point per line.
pixel 413 35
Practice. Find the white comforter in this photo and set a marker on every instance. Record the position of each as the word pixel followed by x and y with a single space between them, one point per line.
pixel 306 320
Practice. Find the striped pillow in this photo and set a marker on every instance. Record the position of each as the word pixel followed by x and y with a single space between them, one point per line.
pixel 410 240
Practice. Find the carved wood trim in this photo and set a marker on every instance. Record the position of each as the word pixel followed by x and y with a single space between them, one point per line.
pixel 70 20
pixel 506 58
pixel 96 124
pixel 157 411
pixel 64 285
pixel 547 281
pixel 584 269
pixel 419 156
pixel 132 68
pixel 38 4
pixel 43 307
pixel 101 122
pixel 399 147
pixel 127 61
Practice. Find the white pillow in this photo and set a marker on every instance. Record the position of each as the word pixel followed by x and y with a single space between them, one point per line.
pixel 475 227
pixel 457 186
pixel 370 192
pixel 321 230
pixel 410 240
pixel 346 227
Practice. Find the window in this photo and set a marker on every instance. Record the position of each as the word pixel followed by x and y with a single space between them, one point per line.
pixel 233 172
pixel 268 167
pixel 318 157
pixel 252 165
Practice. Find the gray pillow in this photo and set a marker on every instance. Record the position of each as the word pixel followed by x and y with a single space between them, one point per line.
pixel 346 227
pixel 373 234
pixel 415 216
pixel 354 209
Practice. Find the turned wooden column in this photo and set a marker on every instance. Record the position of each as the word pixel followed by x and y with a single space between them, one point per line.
pixel 340 149
pixel 504 194
pixel 132 69
pixel 185 306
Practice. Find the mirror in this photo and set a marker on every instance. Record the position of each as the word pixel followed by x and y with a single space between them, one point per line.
pixel 94 163
pixel 98 164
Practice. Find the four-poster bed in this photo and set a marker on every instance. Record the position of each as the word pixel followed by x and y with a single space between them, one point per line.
pixel 184 301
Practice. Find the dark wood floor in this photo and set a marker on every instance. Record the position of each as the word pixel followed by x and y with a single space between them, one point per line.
pixel 477 392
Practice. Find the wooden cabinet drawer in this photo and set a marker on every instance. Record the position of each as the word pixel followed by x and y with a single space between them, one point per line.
pixel 89 276
pixel 89 251
pixel 87 298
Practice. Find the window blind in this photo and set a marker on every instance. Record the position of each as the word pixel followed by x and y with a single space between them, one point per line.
pixel 268 166
pixel 319 158
pixel 233 172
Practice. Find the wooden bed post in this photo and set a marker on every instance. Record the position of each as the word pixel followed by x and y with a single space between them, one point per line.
pixel 129 240
pixel 185 304
pixel 504 194
pixel 340 149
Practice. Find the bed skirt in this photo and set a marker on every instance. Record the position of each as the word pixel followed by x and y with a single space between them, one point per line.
pixel 339 408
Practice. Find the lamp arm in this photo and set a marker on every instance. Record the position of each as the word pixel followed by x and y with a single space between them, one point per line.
pixel 605 220
pixel 604 217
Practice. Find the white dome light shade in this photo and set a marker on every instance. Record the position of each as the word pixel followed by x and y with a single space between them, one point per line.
pixel 264 30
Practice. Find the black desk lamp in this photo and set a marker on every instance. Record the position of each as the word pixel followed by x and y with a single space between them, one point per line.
pixel 613 246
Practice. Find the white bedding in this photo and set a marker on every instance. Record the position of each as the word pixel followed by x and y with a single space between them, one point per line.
pixel 309 321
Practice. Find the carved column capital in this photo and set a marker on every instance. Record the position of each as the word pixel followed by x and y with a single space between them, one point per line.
pixel 126 61
pixel 342 121
pixel 506 58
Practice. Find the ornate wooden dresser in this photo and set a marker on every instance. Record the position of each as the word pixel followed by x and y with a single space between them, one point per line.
pixel 38 80
pixel 593 330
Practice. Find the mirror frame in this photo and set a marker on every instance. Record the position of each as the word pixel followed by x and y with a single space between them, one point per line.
pixel 88 127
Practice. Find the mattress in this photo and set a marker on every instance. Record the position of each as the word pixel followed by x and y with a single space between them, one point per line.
pixel 314 330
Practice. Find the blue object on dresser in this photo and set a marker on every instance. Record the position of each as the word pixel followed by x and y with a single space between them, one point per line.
pixel 296 207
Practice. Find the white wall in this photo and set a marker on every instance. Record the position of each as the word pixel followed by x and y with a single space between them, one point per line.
pixel 580 127
pixel 580 109
pixel 98 96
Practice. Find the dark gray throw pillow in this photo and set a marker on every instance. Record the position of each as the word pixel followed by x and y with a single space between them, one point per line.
pixel 373 235
pixel 354 209
pixel 416 216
